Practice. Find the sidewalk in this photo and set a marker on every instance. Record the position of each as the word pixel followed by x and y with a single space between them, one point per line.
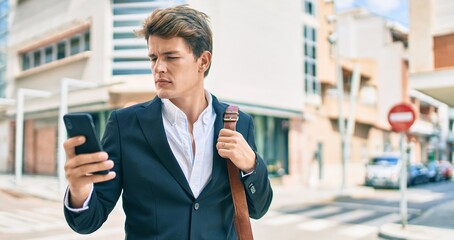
pixel 436 223
pixel 45 187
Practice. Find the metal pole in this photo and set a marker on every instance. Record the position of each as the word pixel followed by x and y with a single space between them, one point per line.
pixel 19 136
pixel 403 182
pixel 341 120
pixel 19 148
pixel 62 136
pixel 356 80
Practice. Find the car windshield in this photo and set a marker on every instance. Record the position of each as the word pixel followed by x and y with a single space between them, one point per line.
pixel 384 161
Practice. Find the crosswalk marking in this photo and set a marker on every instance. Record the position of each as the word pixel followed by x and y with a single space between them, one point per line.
pixel 389 218
pixel 110 233
pixel 316 225
pixel 283 219
pixel 25 221
pixel 351 215
pixel 357 231
pixel 321 211
pixel 41 217
pixel 352 223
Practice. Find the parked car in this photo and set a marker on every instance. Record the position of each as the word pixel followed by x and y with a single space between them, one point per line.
pixel 446 170
pixel 383 171
pixel 434 171
pixel 418 174
pixel 439 170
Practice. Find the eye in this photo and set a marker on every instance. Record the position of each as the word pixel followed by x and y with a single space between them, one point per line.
pixel 172 57
pixel 153 59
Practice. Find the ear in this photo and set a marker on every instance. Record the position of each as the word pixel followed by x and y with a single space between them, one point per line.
pixel 204 61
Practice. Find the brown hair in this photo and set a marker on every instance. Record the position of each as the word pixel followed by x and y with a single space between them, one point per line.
pixel 180 21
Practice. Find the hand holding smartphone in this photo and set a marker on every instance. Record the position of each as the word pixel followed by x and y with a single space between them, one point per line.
pixel 81 124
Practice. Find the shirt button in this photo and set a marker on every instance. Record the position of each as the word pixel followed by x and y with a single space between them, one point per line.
pixel 196 206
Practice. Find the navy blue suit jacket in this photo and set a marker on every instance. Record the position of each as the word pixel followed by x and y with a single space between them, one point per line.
pixel 157 199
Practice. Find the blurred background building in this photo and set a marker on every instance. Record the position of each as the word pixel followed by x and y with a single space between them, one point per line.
pixel 276 61
pixel 431 41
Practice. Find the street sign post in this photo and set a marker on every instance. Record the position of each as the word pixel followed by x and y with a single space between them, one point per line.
pixel 401 117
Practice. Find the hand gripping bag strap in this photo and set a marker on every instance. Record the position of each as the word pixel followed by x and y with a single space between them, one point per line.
pixel 241 220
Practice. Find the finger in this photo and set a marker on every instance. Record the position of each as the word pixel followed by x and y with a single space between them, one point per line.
pixel 226 132
pixel 223 140
pixel 95 167
pixel 89 158
pixel 70 144
pixel 222 145
pixel 225 153
pixel 102 178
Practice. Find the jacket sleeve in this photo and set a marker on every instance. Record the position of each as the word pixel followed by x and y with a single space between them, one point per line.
pixel 105 194
pixel 257 185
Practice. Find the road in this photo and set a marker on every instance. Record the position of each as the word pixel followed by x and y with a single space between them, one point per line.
pixel 348 218
pixel 345 218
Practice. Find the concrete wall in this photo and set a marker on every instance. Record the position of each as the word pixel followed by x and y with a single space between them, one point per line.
pixel 53 18
pixel 443 19
pixel 372 39
pixel 4 145
pixel 420 36
pixel 257 55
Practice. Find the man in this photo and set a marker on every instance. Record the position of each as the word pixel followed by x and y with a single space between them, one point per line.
pixel 167 155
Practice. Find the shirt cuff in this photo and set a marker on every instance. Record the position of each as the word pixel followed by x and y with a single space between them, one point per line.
pixel 84 206
pixel 246 174
pixel 253 171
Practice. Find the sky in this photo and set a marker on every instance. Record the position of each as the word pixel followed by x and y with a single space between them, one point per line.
pixel 396 10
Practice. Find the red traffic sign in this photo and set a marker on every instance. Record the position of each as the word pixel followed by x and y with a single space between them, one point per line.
pixel 401 117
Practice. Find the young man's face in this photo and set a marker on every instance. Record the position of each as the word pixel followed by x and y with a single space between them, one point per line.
pixel 175 69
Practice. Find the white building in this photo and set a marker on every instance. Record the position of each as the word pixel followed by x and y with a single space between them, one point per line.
pixel 256 64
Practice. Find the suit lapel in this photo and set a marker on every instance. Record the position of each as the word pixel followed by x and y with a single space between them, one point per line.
pixel 150 119
pixel 218 162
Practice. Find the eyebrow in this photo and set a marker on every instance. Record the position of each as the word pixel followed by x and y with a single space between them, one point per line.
pixel 164 53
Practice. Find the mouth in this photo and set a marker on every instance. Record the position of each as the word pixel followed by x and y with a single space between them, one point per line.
pixel 161 82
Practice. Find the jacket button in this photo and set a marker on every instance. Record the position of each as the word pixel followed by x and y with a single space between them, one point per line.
pixel 252 188
pixel 196 206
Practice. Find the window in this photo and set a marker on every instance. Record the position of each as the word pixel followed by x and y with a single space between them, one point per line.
pixel 87 41
pixel 309 7
pixel 56 51
pixel 312 85
pixel 129 52
pixel 48 54
pixel 271 135
pixel 26 61
pixel 37 58
pixel 61 50
pixel 75 45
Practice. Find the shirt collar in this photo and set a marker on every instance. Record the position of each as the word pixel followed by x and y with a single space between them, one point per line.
pixel 173 114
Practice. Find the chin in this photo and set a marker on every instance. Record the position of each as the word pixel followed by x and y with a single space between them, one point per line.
pixel 163 95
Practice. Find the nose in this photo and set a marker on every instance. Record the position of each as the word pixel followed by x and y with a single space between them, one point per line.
pixel 159 66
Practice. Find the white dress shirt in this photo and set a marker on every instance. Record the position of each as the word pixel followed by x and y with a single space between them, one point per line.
pixel 197 163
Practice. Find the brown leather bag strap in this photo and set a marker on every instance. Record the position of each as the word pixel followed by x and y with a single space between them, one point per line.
pixel 241 220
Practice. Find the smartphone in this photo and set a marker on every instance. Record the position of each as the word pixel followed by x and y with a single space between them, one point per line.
pixel 81 124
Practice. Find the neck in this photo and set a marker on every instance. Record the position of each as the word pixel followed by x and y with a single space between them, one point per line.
pixel 192 106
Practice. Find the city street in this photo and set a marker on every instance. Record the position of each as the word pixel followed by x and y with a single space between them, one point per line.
pixel 349 218
pixel 23 217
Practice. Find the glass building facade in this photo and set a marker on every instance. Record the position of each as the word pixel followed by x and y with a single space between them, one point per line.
pixel 130 55
pixel 4 7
